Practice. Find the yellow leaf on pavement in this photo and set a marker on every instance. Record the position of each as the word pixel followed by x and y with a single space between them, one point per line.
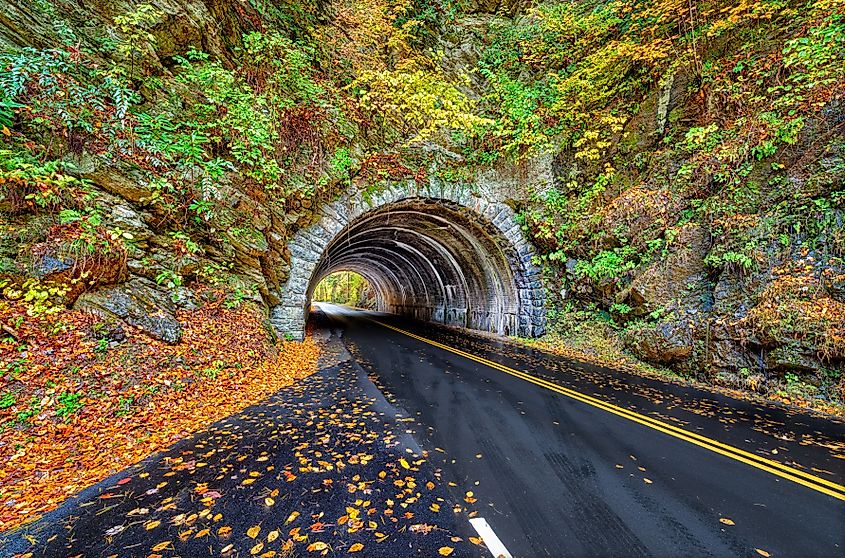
pixel 445 550
pixel 357 547
pixel 727 521
pixel 253 531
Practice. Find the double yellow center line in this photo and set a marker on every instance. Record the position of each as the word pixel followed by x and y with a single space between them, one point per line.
pixel 795 475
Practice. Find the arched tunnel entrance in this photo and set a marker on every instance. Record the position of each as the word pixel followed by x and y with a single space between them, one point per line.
pixel 426 258
pixel 430 261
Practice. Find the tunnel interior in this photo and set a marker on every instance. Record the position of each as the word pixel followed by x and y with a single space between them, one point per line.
pixel 437 261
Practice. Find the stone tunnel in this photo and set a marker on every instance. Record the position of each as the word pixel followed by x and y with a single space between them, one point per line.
pixel 442 254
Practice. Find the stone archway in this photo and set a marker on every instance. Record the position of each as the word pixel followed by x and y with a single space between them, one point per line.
pixel 438 253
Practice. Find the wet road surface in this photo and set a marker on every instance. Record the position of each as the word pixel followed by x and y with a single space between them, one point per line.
pixel 555 476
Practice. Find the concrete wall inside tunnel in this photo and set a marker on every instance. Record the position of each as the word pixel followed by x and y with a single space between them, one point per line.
pixel 442 254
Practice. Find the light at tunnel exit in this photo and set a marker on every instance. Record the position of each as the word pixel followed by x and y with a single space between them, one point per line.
pixel 345 287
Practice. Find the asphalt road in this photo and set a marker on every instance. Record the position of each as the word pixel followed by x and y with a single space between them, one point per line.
pixel 557 472
pixel 414 439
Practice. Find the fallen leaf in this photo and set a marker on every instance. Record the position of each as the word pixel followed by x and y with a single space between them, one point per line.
pixel 445 550
pixel 253 531
pixel 357 547
pixel 727 521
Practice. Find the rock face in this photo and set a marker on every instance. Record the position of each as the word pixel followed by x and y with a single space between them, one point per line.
pixel 668 343
pixel 675 289
pixel 679 282
pixel 137 302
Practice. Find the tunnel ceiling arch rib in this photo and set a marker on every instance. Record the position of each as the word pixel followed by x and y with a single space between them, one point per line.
pixel 430 258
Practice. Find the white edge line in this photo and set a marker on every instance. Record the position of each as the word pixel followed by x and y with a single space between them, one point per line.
pixel 494 545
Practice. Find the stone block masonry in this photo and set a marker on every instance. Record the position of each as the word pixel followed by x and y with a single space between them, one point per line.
pixel 441 252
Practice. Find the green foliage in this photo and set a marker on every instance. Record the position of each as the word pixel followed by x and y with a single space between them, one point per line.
pixel 211 372
pixel 68 404
pixel 15 367
pixel 40 298
pixel 63 93
pixel 137 40
pixel 417 103
pixel 169 279
pixel 339 168
pixel 238 296
pixel 425 16
pixel 30 411
pixel 607 264
pixel 817 59
pixel 556 74
pixel 7 400
pixel 620 308
pixel 7 111
pixel 342 287
pixel 102 346
pixel 124 406
pixel 28 182
pixel 743 262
